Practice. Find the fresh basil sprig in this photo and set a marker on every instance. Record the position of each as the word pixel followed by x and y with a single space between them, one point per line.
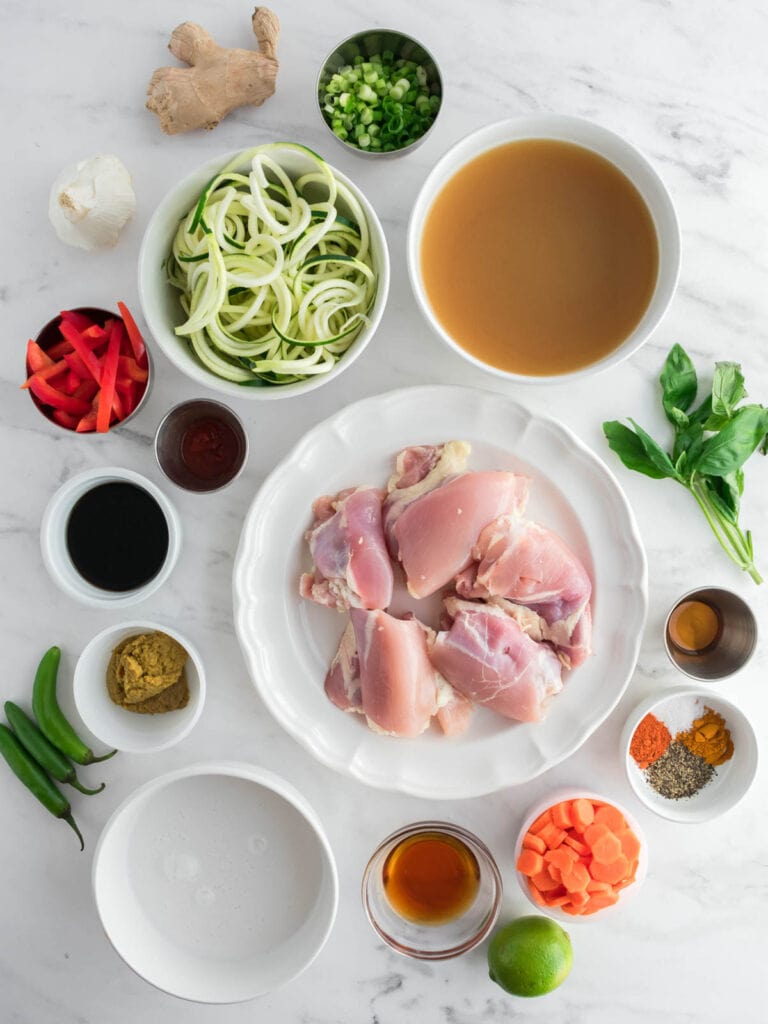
pixel 712 443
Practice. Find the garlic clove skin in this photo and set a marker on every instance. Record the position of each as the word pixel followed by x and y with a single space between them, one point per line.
pixel 92 201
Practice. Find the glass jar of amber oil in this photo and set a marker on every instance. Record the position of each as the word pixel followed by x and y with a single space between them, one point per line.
pixel 432 890
pixel 710 633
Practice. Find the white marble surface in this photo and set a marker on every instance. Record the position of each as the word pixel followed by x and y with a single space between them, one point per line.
pixel 685 81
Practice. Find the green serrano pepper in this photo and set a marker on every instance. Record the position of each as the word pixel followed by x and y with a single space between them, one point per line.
pixel 43 751
pixel 50 718
pixel 28 771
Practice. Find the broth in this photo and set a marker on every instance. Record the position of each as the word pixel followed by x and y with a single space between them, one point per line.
pixel 539 257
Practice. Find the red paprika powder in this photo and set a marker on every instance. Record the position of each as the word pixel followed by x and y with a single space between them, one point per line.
pixel 649 741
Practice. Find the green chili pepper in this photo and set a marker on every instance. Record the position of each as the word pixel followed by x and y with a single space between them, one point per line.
pixel 52 722
pixel 43 751
pixel 28 771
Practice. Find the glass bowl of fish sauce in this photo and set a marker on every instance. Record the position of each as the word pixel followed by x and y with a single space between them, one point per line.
pixel 432 890
pixel 543 248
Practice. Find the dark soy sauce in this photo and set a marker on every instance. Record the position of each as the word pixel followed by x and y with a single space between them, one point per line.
pixel 117 536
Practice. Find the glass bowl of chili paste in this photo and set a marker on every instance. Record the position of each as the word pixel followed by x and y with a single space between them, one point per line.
pixel 201 445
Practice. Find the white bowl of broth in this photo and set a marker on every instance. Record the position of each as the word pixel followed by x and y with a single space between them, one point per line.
pixel 544 248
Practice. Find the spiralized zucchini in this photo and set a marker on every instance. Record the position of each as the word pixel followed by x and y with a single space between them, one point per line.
pixel 276 283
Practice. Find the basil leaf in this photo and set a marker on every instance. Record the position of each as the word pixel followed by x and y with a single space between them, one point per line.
pixel 630 449
pixel 688 442
pixel 704 411
pixel 727 451
pixel 655 452
pixel 725 493
pixel 678 382
pixel 727 389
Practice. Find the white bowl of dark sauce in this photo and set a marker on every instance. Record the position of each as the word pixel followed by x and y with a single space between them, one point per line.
pixel 110 537
pixel 543 248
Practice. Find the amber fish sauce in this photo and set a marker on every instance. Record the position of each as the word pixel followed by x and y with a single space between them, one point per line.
pixel 431 878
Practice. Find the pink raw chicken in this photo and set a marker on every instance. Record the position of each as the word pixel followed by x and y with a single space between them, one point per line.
pixel 487 657
pixel 352 568
pixel 382 670
pixel 434 512
pixel 525 564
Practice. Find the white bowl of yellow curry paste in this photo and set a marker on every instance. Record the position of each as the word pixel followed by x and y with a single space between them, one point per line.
pixel 543 248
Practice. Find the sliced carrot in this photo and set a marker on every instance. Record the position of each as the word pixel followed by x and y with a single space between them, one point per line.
pixel 569 908
pixel 582 814
pixel 537 896
pixel 599 901
pixel 606 848
pixel 544 882
pixel 595 832
pixel 577 879
pixel 530 863
pixel 630 844
pixel 562 858
pixel 561 815
pixel 612 872
pixel 576 845
pixel 580 898
pixel 611 816
pixel 552 835
pixel 557 901
pixel 534 842
pixel 541 821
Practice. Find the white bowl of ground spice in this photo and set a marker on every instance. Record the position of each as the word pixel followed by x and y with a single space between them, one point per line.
pixel 690 755
pixel 139 686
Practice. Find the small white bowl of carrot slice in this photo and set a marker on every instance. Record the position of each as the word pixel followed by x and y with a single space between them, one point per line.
pixel 579 854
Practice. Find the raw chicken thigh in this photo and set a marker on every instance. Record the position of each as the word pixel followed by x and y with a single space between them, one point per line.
pixel 382 670
pixel 529 566
pixel 434 511
pixel 487 657
pixel 351 565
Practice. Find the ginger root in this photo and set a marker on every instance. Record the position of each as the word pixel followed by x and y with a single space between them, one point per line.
pixel 218 79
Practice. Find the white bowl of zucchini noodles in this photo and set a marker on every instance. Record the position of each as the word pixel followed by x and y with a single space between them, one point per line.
pixel 264 273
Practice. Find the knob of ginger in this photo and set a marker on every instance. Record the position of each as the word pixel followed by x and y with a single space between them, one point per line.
pixel 217 80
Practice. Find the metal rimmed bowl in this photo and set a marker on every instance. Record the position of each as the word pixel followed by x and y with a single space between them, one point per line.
pixel 366 44
pixel 734 643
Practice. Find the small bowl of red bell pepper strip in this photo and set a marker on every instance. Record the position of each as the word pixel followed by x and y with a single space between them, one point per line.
pixel 88 370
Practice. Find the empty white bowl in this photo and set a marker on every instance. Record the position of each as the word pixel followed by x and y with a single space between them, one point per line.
pixel 677 708
pixel 53 531
pixel 216 882
pixel 127 730
pixel 160 301
pixel 605 143
pixel 627 894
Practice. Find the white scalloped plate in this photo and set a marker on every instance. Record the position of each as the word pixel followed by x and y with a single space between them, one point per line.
pixel 288 643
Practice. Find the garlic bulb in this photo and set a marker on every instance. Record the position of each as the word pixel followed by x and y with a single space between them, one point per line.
pixel 92 201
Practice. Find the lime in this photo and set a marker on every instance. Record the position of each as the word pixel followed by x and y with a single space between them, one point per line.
pixel 530 956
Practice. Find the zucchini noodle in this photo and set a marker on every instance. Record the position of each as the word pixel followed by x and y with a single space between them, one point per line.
pixel 276 283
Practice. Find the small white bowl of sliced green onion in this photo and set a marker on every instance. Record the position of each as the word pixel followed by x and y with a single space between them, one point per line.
pixel 264 273
pixel 379 93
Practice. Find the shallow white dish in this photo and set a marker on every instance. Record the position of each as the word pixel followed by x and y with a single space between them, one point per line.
pixel 126 730
pixel 53 543
pixel 590 136
pixel 160 301
pixel 627 894
pixel 216 882
pixel 677 707
pixel 288 643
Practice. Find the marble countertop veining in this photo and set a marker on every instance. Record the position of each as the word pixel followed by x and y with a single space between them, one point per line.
pixel 682 79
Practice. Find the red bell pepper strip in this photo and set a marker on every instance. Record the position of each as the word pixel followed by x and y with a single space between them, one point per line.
pixel 127 389
pixel 89 358
pixel 71 383
pixel 128 367
pixel 62 347
pixel 79 321
pixel 50 396
pixel 37 359
pixel 76 363
pixel 52 370
pixel 134 336
pixel 87 390
pixel 65 419
pixel 87 422
pixel 108 377
pixel 96 333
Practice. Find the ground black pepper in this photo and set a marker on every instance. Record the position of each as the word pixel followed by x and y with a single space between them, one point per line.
pixel 679 773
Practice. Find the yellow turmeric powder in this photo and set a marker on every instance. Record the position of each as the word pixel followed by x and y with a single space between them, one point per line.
pixel 709 738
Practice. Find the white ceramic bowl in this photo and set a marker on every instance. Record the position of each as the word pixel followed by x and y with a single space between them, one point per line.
pixel 627 894
pixel 126 730
pixel 54 548
pixel 216 882
pixel 732 779
pixel 591 136
pixel 160 302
